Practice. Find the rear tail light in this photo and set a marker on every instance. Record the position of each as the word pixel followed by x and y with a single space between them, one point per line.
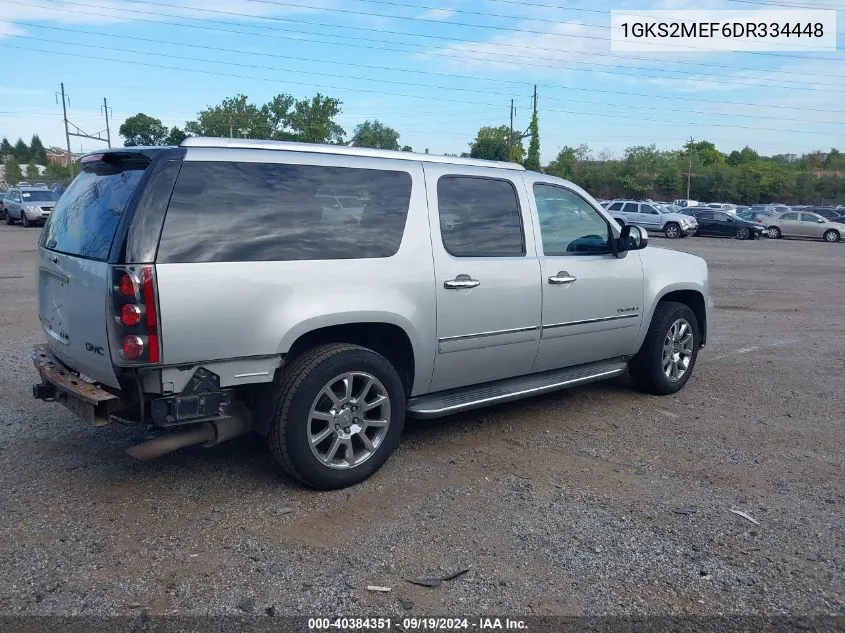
pixel 135 310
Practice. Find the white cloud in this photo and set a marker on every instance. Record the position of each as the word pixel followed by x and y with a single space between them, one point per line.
pixel 436 14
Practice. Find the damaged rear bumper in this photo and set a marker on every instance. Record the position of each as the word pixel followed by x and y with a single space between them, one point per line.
pixel 59 384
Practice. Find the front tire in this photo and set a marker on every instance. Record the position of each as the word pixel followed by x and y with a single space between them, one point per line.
pixel 25 220
pixel 743 234
pixel 338 416
pixel 667 357
pixel 672 231
pixel 831 235
pixel 774 233
pixel 9 219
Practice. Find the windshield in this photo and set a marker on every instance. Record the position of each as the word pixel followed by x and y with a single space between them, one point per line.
pixel 85 218
pixel 38 196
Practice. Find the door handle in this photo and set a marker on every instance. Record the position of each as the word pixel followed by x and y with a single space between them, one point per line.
pixel 562 277
pixel 53 258
pixel 461 281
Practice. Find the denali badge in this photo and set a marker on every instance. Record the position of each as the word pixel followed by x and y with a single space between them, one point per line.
pixel 631 309
pixel 94 348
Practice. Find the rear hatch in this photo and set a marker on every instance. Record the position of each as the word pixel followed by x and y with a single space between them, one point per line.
pixel 74 278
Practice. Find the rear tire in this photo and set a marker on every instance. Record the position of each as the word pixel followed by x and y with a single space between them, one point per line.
pixel 667 357
pixel 302 406
pixel 9 220
pixel 831 235
pixel 672 230
pixel 774 233
pixel 743 234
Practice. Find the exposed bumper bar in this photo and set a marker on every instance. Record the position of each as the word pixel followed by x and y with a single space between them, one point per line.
pixel 58 384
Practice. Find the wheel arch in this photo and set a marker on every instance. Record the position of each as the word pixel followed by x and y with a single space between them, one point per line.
pixel 692 298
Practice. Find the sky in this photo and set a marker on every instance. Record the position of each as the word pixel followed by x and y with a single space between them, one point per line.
pixel 434 70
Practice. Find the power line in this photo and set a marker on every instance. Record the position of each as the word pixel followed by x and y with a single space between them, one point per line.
pixel 486 14
pixel 501 58
pixel 421 85
pixel 474 25
pixel 393 94
pixel 423 72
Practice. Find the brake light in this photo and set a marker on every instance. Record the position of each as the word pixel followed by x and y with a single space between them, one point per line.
pixel 127 286
pixel 135 310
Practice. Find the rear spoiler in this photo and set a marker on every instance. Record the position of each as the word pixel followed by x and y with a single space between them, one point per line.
pixel 122 153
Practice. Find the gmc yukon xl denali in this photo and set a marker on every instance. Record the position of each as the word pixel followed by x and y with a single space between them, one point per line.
pixel 214 289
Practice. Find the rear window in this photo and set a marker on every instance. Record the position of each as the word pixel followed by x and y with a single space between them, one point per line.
pixel 85 218
pixel 228 211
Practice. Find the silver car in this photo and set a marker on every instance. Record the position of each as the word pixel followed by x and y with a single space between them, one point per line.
pixel 28 205
pixel 214 289
pixel 805 224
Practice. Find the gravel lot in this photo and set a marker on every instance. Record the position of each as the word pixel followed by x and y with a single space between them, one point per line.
pixel 597 500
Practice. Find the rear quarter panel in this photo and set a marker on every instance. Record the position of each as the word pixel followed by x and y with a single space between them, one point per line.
pixel 227 310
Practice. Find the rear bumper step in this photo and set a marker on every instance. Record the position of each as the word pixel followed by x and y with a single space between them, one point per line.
pixel 59 384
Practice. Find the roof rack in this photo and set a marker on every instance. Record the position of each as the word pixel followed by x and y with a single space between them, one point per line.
pixel 342 150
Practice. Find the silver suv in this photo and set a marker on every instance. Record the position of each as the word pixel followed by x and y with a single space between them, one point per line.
pixel 28 205
pixel 218 288
pixel 654 216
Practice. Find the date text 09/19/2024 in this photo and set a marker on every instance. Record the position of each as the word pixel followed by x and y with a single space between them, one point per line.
pixel 421 624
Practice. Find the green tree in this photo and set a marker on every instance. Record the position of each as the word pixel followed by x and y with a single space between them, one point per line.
pixel 13 170
pixel 32 172
pixel 5 147
pixel 143 129
pixel 565 164
pixel 705 153
pixel 57 172
pixel 312 120
pixel 835 160
pixel 21 152
pixel 532 161
pixel 175 136
pixel 375 134
pixel 491 143
pixel 278 112
pixel 744 156
pixel 235 117
pixel 37 151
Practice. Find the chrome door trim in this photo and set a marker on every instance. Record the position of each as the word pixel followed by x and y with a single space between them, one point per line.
pixel 463 337
pixel 615 317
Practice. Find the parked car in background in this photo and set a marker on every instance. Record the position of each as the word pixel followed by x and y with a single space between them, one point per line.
pixel 28 205
pixel 758 217
pixel 720 224
pixel 829 213
pixel 686 203
pixel 3 195
pixel 331 334
pixel 651 216
pixel 804 224
pixel 722 206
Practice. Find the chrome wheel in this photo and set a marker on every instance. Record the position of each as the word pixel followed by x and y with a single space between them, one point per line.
pixel 673 231
pixel 677 350
pixel 348 420
pixel 831 236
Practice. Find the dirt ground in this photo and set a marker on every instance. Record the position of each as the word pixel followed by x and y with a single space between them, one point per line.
pixel 597 500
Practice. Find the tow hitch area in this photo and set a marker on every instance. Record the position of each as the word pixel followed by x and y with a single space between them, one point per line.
pixel 58 384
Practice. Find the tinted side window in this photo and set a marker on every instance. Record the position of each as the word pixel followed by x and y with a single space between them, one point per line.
pixel 631 207
pixel 616 206
pixel 227 211
pixel 789 216
pixel 568 224
pixel 722 217
pixel 479 217
pixel 809 217
pixel 647 208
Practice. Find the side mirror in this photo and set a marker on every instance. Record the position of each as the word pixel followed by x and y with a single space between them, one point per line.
pixel 633 238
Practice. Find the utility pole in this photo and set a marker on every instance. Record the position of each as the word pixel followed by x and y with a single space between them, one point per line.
pixel 231 131
pixel 77 131
pixel 67 133
pixel 510 136
pixel 689 173
pixel 106 112
pixel 535 98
